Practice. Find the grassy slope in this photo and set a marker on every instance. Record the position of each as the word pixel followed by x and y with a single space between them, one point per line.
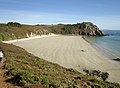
pixel 11 32
pixel 24 69
pixel 8 32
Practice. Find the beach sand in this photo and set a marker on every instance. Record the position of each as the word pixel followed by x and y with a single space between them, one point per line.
pixel 33 37
pixel 71 52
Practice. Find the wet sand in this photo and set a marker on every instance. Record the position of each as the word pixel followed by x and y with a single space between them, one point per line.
pixel 71 52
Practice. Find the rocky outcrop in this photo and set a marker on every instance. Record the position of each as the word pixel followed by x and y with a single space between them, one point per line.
pixel 88 28
pixel 84 28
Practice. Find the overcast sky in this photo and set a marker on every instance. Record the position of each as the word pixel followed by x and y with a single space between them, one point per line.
pixel 104 13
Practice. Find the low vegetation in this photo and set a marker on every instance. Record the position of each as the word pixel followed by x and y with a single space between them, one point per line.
pixel 15 30
pixel 15 24
pixel 97 73
pixel 24 69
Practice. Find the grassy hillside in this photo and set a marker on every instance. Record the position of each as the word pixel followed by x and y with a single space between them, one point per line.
pixel 24 69
pixel 8 32
pixel 14 30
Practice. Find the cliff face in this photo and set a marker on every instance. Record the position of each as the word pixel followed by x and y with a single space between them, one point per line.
pixel 14 30
pixel 88 28
pixel 84 28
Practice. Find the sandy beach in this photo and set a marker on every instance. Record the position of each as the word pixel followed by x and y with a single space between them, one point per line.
pixel 71 52
pixel 33 37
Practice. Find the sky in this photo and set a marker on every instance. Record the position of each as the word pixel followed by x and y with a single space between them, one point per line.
pixel 104 13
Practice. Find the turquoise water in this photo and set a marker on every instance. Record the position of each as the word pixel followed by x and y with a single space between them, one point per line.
pixel 108 45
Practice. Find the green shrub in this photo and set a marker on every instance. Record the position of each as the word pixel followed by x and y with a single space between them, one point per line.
pixel 45 81
pixel 104 76
pixel 9 66
pixel 21 78
pixel 35 79
pixel 2 37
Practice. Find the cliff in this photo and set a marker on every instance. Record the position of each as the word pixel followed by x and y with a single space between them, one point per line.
pixel 14 30
pixel 84 28
pixel 88 28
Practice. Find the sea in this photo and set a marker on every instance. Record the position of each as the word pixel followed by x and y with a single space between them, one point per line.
pixel 108 45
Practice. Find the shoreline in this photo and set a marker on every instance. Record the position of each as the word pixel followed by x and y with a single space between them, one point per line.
pixel 103 50
pixel 33 37
pixel 67 52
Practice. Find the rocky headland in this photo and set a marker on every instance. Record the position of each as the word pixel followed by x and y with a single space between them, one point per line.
pixel 84 28
pixel 14 30
pixel 88 28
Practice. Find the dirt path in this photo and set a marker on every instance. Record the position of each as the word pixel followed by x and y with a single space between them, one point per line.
pixel 71 52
